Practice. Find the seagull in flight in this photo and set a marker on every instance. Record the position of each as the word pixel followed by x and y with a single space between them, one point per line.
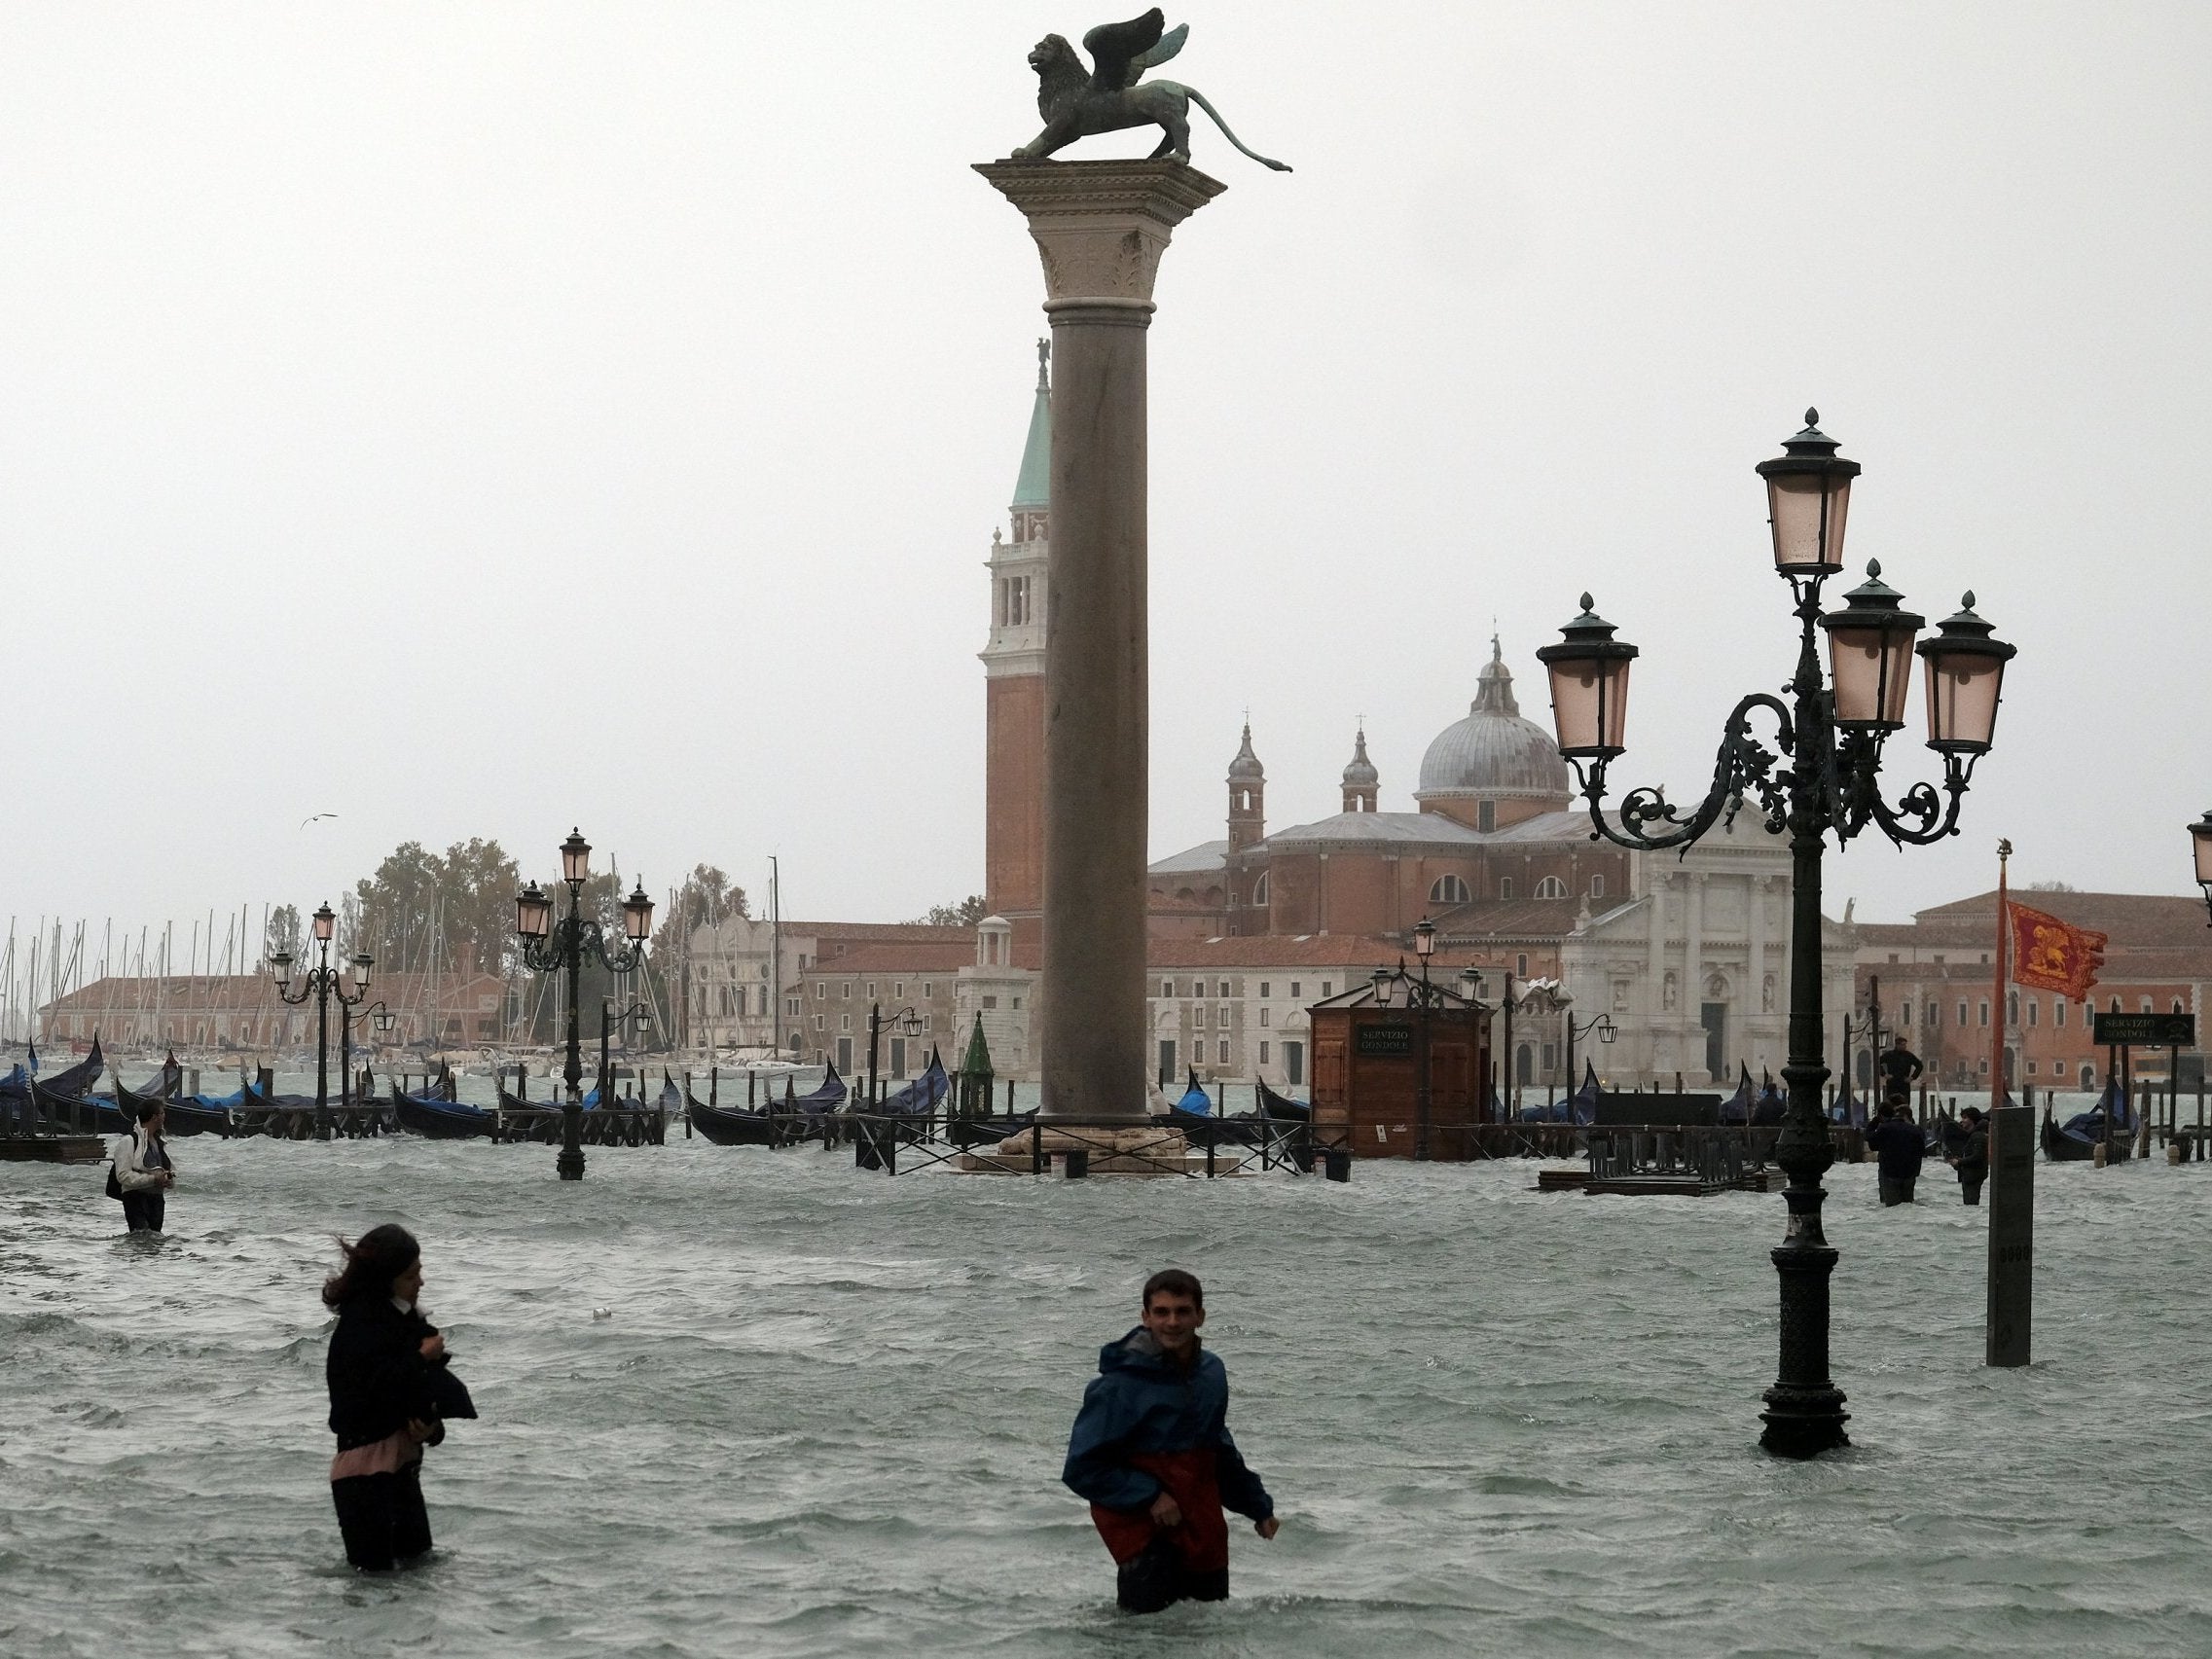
pixel 316 820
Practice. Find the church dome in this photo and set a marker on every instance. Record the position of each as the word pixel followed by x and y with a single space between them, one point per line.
pixel 1494 753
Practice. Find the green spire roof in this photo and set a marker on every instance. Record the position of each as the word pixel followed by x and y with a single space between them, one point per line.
pixel 976 1063
pixel 1033 488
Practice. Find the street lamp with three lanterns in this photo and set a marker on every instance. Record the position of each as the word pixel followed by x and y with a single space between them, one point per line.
pixel 323 981
pixel 557 946
pixel 1821 775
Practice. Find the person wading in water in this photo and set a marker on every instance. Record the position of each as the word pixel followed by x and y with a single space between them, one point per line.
pixel 1152 1452
pixel 143 1173
pixel 390 1393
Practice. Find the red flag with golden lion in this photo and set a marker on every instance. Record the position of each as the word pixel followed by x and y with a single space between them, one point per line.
pixel 2051 954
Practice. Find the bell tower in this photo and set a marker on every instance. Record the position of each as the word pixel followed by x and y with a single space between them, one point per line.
pixel 1361 779
pixel 1248 798
pixel 1013 668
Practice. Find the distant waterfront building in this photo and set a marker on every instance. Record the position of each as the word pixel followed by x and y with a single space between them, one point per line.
pixel 463 1008
pixel 1937 980
pixel 731 978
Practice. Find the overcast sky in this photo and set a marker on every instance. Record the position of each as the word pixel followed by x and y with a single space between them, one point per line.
pixel 479 419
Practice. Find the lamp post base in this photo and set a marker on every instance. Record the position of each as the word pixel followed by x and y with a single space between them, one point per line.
pixel 570 1163
pixel 1804 1413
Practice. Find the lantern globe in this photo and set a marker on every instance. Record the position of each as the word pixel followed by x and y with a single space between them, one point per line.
pixel 2200 832
pixel 326 923
pixel 575 858
pixel 281 964
pixel 1382 982
pixel 1425 939
pixel 637 914
pixel 1966 674
pixel 363 965
pixel 1809 497
pixel 1589 687
pixel 534 912
pixel 1869 654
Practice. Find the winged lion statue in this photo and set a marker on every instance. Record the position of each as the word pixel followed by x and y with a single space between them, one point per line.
pixel 1076 102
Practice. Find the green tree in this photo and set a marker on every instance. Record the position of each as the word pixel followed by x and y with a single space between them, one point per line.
pixel 282 934
pixel 967 914
pixel 422 905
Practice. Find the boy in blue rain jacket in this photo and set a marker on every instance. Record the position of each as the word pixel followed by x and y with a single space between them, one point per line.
pixel 1152 1452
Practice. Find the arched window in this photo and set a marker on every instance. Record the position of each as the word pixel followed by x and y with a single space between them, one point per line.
pixel 2088 1077
pixel 1597 886
pixel 1504 886
pixel 1259 890
pixel 1551 888
pixel 1448 889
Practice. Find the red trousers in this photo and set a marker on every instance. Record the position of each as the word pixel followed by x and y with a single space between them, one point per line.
pixel 1203 1538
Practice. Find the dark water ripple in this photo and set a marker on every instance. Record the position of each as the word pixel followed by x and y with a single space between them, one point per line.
pixel 826 1414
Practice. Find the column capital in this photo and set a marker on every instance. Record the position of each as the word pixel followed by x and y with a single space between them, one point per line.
pixel 1101 226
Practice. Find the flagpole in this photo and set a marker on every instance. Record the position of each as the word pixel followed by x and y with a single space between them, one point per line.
pixel 2003 974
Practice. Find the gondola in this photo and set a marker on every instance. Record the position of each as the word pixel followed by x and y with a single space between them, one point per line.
pixel 21 1090
pixel 436 1119
pixel 181 1114
pixel 828 1095
pixel 914 1106
pixel 1201 1126
pixel 2077 1140
pixel 68 1102
pixel 1579 1108
pixel 724 1125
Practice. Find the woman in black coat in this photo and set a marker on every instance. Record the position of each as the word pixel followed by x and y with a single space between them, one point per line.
pixel 389 1389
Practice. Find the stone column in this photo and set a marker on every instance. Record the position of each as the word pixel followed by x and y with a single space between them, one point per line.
pixel 1101 228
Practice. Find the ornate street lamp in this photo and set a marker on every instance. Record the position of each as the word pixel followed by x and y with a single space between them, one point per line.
pixel 2200 833
pixel 1424 947
pixel 1821 775
pixel 557 946
pixel 323 981
pixel 376 1012
pixel 906 1022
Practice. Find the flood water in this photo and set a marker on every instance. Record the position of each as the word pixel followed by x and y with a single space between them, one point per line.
pixel 826 1412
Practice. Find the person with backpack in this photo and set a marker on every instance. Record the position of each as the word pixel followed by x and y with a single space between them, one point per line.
pixel 142 1173
pixel 390 1393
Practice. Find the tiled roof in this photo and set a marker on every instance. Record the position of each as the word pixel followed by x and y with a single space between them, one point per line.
pixel 912 931
pixel 1509 919
pixel 1206 857
pixel 1373 828
pixel 1352 952
pixel 2136 918
pixel 917 956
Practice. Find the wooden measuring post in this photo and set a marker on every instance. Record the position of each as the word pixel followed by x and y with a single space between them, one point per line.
pixel 2009 1319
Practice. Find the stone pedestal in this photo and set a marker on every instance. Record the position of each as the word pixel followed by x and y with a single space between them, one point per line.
pixel 1101 228
pixel 1145 1152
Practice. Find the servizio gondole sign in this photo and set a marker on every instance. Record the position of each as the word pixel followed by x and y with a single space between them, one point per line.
pixel 2146 1030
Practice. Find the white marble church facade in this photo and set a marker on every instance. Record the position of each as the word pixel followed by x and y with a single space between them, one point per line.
pixel 1694 967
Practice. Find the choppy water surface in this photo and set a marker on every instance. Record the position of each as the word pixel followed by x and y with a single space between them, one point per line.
pixel 827 1413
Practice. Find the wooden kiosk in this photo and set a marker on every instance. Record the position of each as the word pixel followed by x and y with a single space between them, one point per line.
pixel 1375 1045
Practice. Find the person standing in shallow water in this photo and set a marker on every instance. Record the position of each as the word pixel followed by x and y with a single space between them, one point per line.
pixel 390 1393
pixel 1900 1145
pixel 1971 1159
pixel 1152 1452
pixel 143 1172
